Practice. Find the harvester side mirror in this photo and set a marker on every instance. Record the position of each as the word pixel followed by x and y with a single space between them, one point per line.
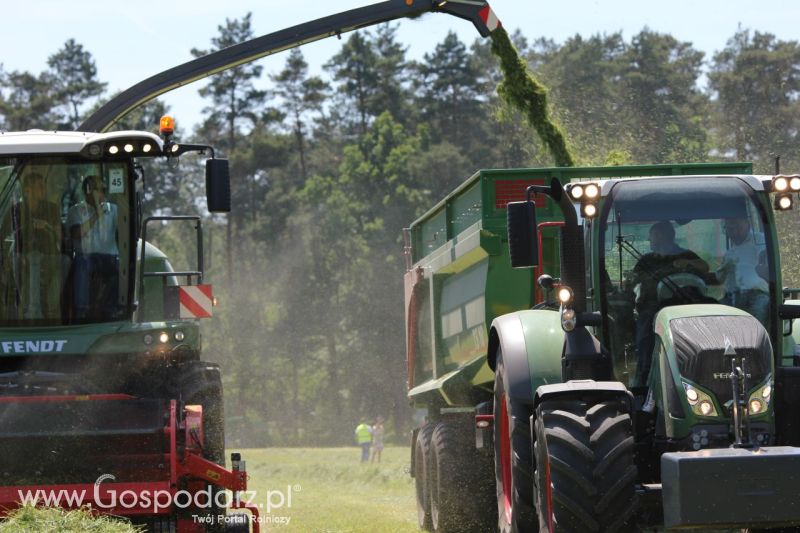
pixel 522 244
pixel 218 186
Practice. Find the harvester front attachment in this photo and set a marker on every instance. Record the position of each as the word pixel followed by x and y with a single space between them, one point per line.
pixel 120 455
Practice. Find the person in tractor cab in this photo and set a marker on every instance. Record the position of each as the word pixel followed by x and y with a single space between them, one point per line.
pixel 39 242
pixel 665 259
pixel 93 229
pixel 743 270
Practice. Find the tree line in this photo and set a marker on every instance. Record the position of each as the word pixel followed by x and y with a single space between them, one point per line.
pixel 327 170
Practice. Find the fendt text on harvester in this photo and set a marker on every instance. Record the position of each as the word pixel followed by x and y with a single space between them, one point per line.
pixel 102 388
pixel 645 374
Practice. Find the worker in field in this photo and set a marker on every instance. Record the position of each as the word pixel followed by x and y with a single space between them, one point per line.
pixel 377 440
pixel 364 439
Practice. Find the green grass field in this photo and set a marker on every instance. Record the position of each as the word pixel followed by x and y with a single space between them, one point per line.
pixel 330 491
pixel 337 494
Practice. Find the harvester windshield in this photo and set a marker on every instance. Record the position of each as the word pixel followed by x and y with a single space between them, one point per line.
pixel 700 241
pixel 65 230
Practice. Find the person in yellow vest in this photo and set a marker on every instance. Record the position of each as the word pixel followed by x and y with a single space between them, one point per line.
pixel 364 439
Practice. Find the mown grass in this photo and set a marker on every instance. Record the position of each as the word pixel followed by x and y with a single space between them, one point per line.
pixel 331 492
pixel 32 520
pixel 337 494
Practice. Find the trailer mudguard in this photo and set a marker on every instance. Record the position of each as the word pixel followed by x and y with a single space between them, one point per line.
pixel 532 342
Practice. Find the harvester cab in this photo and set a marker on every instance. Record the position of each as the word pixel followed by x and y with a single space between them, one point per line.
pixel 102 390
pixel 677 338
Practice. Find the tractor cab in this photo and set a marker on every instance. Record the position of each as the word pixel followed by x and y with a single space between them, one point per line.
pixel 669 242
pixel 67 233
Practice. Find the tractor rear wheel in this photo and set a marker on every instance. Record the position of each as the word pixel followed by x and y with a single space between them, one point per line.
pixel 585 475
pixel 461 498
pixel 513 464
pixel 422 482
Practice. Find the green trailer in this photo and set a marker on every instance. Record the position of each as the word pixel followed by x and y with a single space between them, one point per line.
pixel 511 363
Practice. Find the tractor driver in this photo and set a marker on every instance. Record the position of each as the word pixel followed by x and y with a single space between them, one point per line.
pixel 666 258
pixel 93 229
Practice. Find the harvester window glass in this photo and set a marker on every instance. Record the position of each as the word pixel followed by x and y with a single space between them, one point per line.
pixel 697 241
pixel 66 237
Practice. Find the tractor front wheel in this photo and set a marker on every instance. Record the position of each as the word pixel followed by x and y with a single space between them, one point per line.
pixel 513 464
pixel 585 473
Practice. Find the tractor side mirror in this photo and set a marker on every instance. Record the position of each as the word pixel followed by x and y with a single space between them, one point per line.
pixel 218 186
pixel 789 311
pixel 522 244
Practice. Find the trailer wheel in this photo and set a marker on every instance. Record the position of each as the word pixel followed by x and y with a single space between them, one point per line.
pixel 585 477
pixel 461 499
pixel 513 464
pixel 422 482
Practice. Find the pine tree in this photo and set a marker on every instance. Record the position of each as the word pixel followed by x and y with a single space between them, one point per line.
pixel 74 77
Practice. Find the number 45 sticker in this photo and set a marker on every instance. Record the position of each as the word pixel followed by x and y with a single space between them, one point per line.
pixel 116 181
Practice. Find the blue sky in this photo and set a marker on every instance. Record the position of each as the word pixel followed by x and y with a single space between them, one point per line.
pixel 132 40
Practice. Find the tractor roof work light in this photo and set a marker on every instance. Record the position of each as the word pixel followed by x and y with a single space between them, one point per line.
pixel 588 210
pixel 780 184
pixel 784 202
pixel 592 191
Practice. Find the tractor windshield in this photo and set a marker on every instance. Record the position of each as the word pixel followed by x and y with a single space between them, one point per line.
pixel 66 239
pixel 675 242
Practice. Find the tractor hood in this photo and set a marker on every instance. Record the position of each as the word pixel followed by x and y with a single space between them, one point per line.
pixel 699 344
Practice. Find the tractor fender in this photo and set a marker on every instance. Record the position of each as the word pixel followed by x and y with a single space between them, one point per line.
pixel 585 388
pixel 532 342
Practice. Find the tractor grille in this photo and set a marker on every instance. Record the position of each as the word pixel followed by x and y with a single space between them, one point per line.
pixel 700 344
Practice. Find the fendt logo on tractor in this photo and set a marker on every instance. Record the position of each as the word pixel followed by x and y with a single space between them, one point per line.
pixel 32 346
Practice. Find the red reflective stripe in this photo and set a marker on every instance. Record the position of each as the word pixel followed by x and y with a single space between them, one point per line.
pixel 489 18
pixel 192 307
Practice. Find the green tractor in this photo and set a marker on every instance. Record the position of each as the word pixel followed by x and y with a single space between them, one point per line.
pixel 649 373
pixel 674 368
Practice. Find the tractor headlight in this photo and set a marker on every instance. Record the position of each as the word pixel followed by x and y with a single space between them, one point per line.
pixel 756 406
pixel 692 395
pixel 568 322
pixel 701 402
pixel 565 295
pixel 759 400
